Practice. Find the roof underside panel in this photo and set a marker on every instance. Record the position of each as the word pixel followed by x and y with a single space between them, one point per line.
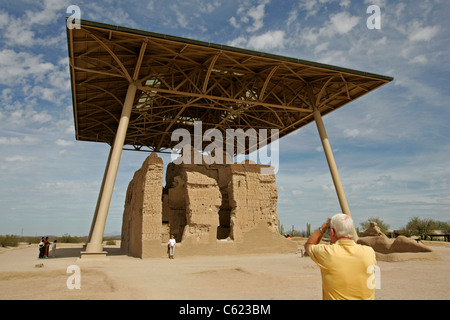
pixel 181 81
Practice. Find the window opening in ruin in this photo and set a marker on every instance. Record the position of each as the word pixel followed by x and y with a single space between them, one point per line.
pixel 223 230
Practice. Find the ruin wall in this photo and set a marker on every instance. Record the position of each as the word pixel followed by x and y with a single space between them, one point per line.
pixel 210 209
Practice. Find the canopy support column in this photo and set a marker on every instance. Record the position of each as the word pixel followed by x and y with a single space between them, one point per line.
pixel 99 198
pixel 331 162
pixel 95 246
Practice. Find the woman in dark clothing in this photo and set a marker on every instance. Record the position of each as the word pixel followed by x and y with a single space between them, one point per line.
pixel 41 248
pixel 47 246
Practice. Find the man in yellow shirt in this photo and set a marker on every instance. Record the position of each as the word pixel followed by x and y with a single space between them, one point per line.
pixel 346 267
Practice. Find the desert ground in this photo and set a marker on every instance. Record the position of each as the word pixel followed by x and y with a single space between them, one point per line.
pixel 239 277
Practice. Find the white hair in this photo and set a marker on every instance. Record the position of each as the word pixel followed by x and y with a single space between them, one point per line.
pixel 343 226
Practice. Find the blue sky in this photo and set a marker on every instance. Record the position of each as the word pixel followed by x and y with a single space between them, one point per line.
pixel 392 146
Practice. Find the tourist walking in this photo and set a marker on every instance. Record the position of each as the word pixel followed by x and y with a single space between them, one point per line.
pixel 171 246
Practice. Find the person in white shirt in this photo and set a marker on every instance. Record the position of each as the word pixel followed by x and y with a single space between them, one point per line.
pixel 41 248
pixel 171 245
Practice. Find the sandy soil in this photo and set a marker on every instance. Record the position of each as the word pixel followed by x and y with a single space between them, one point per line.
pixel 250 277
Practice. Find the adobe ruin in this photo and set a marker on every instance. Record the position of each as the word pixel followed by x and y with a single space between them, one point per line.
pixel 210 209
pixel 392 250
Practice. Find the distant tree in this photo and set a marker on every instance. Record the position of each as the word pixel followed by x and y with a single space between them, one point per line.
pixel 381 224
pixel 444 226
pixel 420 227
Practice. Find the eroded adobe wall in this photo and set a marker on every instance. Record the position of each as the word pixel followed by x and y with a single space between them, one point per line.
pixel 253 198
pixel 142 218
pixel 203 201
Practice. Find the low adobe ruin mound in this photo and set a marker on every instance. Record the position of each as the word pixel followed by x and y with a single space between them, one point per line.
pixel 399 249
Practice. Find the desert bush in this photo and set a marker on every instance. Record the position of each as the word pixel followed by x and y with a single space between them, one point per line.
pixel 9 241
pixel 67 238
pixel 111 242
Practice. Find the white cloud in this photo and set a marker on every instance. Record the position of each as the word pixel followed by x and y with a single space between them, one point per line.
pixel 274 39
pixel 309 36
pixel 188 15
pixel 257 14
pixel 420 59
pixel 52 9
pixel 269 40
pixel 19 33
pixel 338 24
pixel 328 187
pixel 209 6
pixel 355 133
pixel 250 14
pixel 4 19
pixel 293 16
pixel 151 5
pixel 19 159
pixel 97 12
pixel 41 117
pixel 36 78
pixel 238 42
pixel 345 3
pixel 234 23
pixel 181 17
pixel 26 140
pixel 321 47
pixel 22 30
pixel 20 66
pixel 6 96
pixel 312 7
pixel 64 143
pixel 342 23
pixel 379 3
pixel 23 116
pixel 420 33
pixel 72 188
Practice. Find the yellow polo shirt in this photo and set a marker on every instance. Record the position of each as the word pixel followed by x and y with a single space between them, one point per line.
pixel 344 266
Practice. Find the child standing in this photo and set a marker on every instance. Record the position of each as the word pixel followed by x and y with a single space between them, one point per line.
pixel 54 249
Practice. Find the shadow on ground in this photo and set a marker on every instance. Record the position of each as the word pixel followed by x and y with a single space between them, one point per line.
pixel 76 252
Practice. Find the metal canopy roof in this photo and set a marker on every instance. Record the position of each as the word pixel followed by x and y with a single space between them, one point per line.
pixel 181 80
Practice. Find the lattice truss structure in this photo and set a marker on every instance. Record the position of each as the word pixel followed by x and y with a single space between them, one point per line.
pixel 180 81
